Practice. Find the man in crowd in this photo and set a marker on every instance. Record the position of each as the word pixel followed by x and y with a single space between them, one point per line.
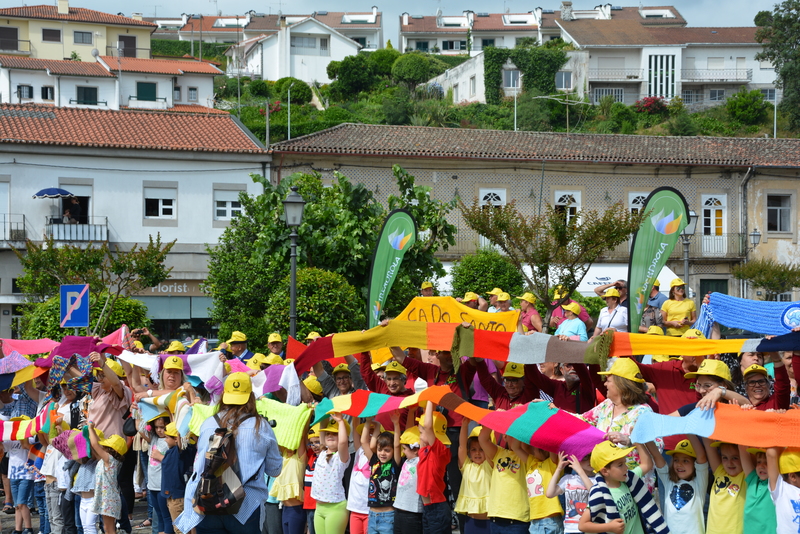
pixel 236 347
pixel 275 344
pixel 426 290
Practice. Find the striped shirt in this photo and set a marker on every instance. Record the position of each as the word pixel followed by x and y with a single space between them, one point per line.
pixel 258 454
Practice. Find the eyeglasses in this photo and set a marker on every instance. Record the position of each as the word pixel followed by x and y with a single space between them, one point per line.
pixel 344 378
pixel 756 383
pixel 704 387
pixel 388 378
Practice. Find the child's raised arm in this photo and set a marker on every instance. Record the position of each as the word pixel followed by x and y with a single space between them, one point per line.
pixel 553 489
pixel 645 460
pixel 463 436
pixel 712 453
pixel 398 449
pixel 367 445
pixel 96 447
pixel 516 446
pixel 485 439
pixel 773 469
pixel 576 466
pixel 427 437
pixel 659 460
pixel 699 450
pixel 747 460
pixel 344 454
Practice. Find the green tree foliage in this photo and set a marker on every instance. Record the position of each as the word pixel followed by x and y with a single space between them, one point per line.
pixel 526 42
pixel 780 36
pixel 43 319
pixel 301 92
pixel 747 107
pixel 259 88
pixel 537 64
pixel 767 274
pixel 484 270
pixel 397 107
pixel 355 75
pixel 332 70
pixel 682 125
pixel 169 47
pixel 556 250
pixel 533 114
pixel 382 61
pixel 412 68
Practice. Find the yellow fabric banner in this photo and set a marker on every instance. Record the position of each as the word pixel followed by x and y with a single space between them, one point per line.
pixel 449 310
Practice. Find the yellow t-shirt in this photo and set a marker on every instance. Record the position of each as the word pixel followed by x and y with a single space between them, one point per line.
pixel 726 504
pixel 676 311
pixel 538 478
pixel 289 484
pixel 508 494
pixel 475 482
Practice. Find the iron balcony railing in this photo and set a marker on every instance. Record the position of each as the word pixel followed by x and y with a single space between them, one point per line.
pixel 129 51
pixel 94 229
pixel 716 75
pixel 616 75
pixel 12 227
pixel 726 246
pixel 15 45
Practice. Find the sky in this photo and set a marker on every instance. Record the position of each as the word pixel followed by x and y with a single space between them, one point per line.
pixel 696 12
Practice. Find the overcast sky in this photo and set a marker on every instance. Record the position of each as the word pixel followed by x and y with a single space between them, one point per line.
pixel 696 12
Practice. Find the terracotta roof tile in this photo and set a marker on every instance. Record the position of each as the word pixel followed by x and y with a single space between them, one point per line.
pixel 334 20
pixel 626 13
pixel 427 25
pixel 76 14
pixel 144 130
pixel 267 23
pixel 54 66
pixel 742 35
pixel 364 140
pixel 187 108
pixel 174 67
pixel 494 22
pixel 630 32
pixel 207 24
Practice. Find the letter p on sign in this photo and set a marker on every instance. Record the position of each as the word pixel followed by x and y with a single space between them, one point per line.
pixel 75 306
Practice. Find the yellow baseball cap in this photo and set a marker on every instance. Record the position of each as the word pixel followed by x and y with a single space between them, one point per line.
pixel 606 452
pixel 273 359
pixel 425 285
pixel 684 447
pixel 503 296
pixel 789 461
pixel 313 432
pixel 176 346
pixel 711 368
pixel 174 362
pixel 256 360
pixel 655 330
pixel 410 437
pixel 657 283
pixel 528 297
pixel 312 335
pixel 237 389
pixel 332 426
pixel 514 370
pixel 360 427
pixel 574 307
pixel 477 430
pixel 676 283
pixel 469 296
pixel 625 368
pixel 275 338
pixel 117 443
pixel 693 333
pixel 114 366
pixel 395 367
pixel 313 385
pixel 341 368
pixel 287 361
pixel 138 344
pixel 237 337
pixel 439 426
pixel 376 366
pixel 611 292
pixel 755 450
pixel 171 430
pixel 495 291
pixel 755 368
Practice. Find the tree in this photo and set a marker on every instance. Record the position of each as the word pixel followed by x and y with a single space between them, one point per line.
pixel 412 68
pixel 382 61
pixel 771 276
pixel 301 92
pixel 484 270
pixel 780 37
pixel 355 75
pixel 332 70
pixel 259 88
pixel 682 125
pixel 747 107
pixel 557 246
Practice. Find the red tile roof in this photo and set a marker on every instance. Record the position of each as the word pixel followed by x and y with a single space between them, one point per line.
pixel 54 66
pixel 494 23
pixel 626 13
pixel 365 140
pixel 189 108
pixel 174 67
pixel 745 35
pixel 630 32
pixel 427 25
pixel 334 20
pixel 76 14
pixel 207 24
pixel 127 129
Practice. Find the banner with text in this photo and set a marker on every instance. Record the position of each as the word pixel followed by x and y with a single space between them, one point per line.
pixel 449 310
pixel 667 215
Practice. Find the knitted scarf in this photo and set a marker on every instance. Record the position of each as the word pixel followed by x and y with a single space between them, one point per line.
pixel 774 318
pixel 603 509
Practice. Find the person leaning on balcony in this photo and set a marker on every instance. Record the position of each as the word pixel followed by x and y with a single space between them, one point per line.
pixel 679 312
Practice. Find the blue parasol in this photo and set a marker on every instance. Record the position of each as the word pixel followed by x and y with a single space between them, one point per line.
pixel 53 192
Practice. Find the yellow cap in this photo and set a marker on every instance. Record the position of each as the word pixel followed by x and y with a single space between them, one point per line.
pixel 625 368
pixel 693 333
pixel 789 461
pixel 341 368
pixel 655 330
pixel 171 430
pixel 256 360
pixel 313 432
pixel 114 366
pixel 611 292
pixel 657 283
pixel 395 367
pixel 410 436
pixel 138 344
pixel 684 447
pixel 20 418
pixel 312 336
pixel 711 368
pixel 425 285
pixel 574 307
pixel 439 426
pixel 376 366
pixel 237 337
pixel 360 427
pixel 606 452
pixel 559 292
pixel 176 346
pixel 514 370
pixel 313 385
pixel 237 389
pixel 115 442
pixel 676 283
pixel 275 338
pixel 755 368
pixel 477 430
pixel 503 296
pixel 332 426
pixel 469 296
pixel 273 359
pixel 495 291
pixel 174 362
pixel 528 297
pixel 287 361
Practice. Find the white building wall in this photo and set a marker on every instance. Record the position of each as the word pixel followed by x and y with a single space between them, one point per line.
pixel 461 76
pixel 313 66
pixel 68 90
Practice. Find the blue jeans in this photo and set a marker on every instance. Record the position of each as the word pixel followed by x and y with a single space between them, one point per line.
pixel 219 524
pixel 294 519
pixel 41 504
pixel 22 492
pixel 508 526
pixel 547 525
pixel 310 521
pixel 476 526
pixel 164 519
pixel 381 522
pixel 436 518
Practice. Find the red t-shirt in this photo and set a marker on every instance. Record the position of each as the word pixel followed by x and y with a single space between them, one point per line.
pixel 433 461
pixel 308 478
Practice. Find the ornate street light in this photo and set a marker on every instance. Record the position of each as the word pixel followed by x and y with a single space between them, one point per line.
pixel 293 211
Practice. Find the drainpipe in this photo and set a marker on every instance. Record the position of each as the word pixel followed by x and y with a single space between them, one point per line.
pixel 747 176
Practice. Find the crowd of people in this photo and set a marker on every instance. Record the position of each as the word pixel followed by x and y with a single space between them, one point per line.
pixel 420 469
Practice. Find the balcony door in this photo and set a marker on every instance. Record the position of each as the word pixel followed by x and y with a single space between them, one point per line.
pixel 9 38
pixel 714 225
pixel 127 44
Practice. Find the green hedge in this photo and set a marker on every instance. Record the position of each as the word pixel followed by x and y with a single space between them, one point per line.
pixel 167 47
pixel 537 65
pixel 452 61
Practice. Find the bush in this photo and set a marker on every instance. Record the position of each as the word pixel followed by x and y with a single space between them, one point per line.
pixel 482 271
pixel 301 92
pixel 332 70
pixel 747 107
pixel 413 68
pixel 430 91
pixel 355 75
pixel 337 114
pixel 397 108
pixel 326 303
pixel 605 105
pixel 259 88
pixel 652 105
pixel 682 125
pixel 621 113
pixel 382 61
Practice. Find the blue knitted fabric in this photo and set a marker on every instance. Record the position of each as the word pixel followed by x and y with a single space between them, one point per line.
pixel 705 320
pixel 758 316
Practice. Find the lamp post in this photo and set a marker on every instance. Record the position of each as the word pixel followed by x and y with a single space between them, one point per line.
pixel 293 211
pixel 289 98
pixel 516 91
pixel 686 237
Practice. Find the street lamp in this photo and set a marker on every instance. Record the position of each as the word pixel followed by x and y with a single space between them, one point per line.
pixel 686 237
pixel 516 91
pixel 293 211
pixel 289 124
pixel 755 238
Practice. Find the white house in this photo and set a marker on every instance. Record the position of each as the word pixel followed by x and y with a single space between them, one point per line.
pixel 136 173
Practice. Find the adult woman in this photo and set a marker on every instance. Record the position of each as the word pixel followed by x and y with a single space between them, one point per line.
pixel 713 384
pixel 613 316
pixel 572 327
pixel 257 451
pixel 529 319
pixel 756 383
pixel 679 313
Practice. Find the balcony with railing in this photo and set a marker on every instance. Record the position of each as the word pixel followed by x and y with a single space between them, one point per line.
pixel 129 51
pixel 95 230
pixel 723 246
pixel 308 51
pixel 12 229
pixel 15 46
pixel 716 75
pixel 616 75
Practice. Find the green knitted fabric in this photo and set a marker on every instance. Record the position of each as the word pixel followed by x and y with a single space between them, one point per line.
pixel 290 420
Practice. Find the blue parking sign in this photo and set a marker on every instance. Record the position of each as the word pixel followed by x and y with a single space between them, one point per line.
pixel 75 306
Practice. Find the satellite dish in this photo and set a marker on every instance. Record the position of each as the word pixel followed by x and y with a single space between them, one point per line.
pixel 95 52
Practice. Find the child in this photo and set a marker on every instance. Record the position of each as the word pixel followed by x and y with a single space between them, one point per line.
pixel 476 475
pixel 433 459
pixel 547 515
pixel 383 454
pixel 328 488
pixel 727 501
pixel 21 481
pixel 288 488
pixel 357 498
pixel 508 506
pixel 314 448
pixel 574 487
pixel 109 453
pixel 158 447
pixel 619 499
pixel 685 484
pixel 759 510
pixel 407 502
pixel 784 485
pixel 174 468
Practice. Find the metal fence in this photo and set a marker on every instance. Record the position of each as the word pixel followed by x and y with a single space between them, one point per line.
pixel 12 227
pixel 95 230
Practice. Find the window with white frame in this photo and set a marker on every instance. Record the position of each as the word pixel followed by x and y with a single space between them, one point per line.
pixel 636 202
pixel 82 37
pixel 716 95
pixel 226 205
pixel 765 64
pixel 193 94
pixel 303 42
pixel 48 92
pixel 456 100
pixel 617 92
pixel 176 94
pixel 785 297
pixel 768 94
pixel 564 79
pixel 689 96
pixel 472 86
pixel 568 203
pixel 511 78
pixel 24 91
pixel 454 45
pixel 492 197
pixel 51 36
pixel 160 203
pixel 779 213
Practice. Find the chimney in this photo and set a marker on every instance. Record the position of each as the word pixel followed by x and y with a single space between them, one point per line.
pixel 283 21
pixel 566 10
pixel 136 16
pixel 184 19
pixel 63 7
pixel 374 11
pixel 405 19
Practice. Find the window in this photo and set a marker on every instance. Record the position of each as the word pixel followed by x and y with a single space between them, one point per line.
pixel 716 95
pixel 51 36
pixel 713 215
pixel 422 46
pixel 176 94
pixel 82 38
pixel 779 213
pixel 510 78
pixel 689 96
pixel 24 91
pixel 361 40
pixel 768 94
pixel 617 92
pixel 146 91
pixel 226 205
pixel 323 44
pixel 487 42
pixel 564 79
pixel 193 94
pixel 636 202
pixel 48 92
pixel 472 86
pixel 454 45
pixel 765 64
pixel 455 94
pixel 305 42
pixel 160 203
pixel 716 63
pixel 785 297
pixel 15 286
pixel 661 76
pixel 87 95
pixel 568 203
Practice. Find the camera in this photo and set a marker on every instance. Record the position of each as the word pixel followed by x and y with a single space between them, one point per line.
pixel 138 332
